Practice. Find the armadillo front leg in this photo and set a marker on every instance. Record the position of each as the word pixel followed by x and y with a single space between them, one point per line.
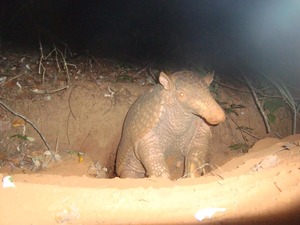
pixel 156 166
pixel 151 155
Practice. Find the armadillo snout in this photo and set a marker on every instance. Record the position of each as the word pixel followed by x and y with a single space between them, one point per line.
pixel 216 117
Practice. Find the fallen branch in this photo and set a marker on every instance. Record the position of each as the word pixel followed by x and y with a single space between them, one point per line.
pixel 34 127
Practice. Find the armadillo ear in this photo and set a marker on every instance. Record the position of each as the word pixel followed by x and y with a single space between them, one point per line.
pixel 209 77
pixel 165 81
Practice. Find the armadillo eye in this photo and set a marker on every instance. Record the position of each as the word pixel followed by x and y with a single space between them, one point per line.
pixel 181 95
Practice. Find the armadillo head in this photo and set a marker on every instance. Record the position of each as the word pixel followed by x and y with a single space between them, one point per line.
pixel 193 94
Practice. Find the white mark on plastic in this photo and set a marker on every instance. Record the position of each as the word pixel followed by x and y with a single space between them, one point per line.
pixel 7 182
pixel 207 213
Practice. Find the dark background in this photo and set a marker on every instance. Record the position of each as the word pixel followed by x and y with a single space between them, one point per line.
pixel 257 36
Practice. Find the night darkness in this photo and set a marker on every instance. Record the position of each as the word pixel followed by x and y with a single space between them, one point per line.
pixel 260 35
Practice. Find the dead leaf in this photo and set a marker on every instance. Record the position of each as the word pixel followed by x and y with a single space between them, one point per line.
pixel 18 122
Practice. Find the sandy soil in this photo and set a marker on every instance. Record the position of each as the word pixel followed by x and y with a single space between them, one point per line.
pixel 261 187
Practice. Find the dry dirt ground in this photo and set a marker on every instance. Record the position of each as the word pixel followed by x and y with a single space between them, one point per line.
pixel 261 187
pixel 82 125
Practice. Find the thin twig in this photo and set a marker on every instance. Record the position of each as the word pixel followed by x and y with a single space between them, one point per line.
pixel 56 58
pixel 241 131
pixel 244 91
pixel 65 66
pixel 41 66
pixel 141 71
pixel 34 127
pixel 250 134
pixel 37 91
pixel 230 87
pixel 289 100
pixel 96 61
pixel 200 167
pixel 60 58
pixel 11 79
pixel 85 140
pixel 56 145
pixel 265 119
pixel 70 113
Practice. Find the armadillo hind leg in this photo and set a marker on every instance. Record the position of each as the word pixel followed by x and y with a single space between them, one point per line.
pixel 128 166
